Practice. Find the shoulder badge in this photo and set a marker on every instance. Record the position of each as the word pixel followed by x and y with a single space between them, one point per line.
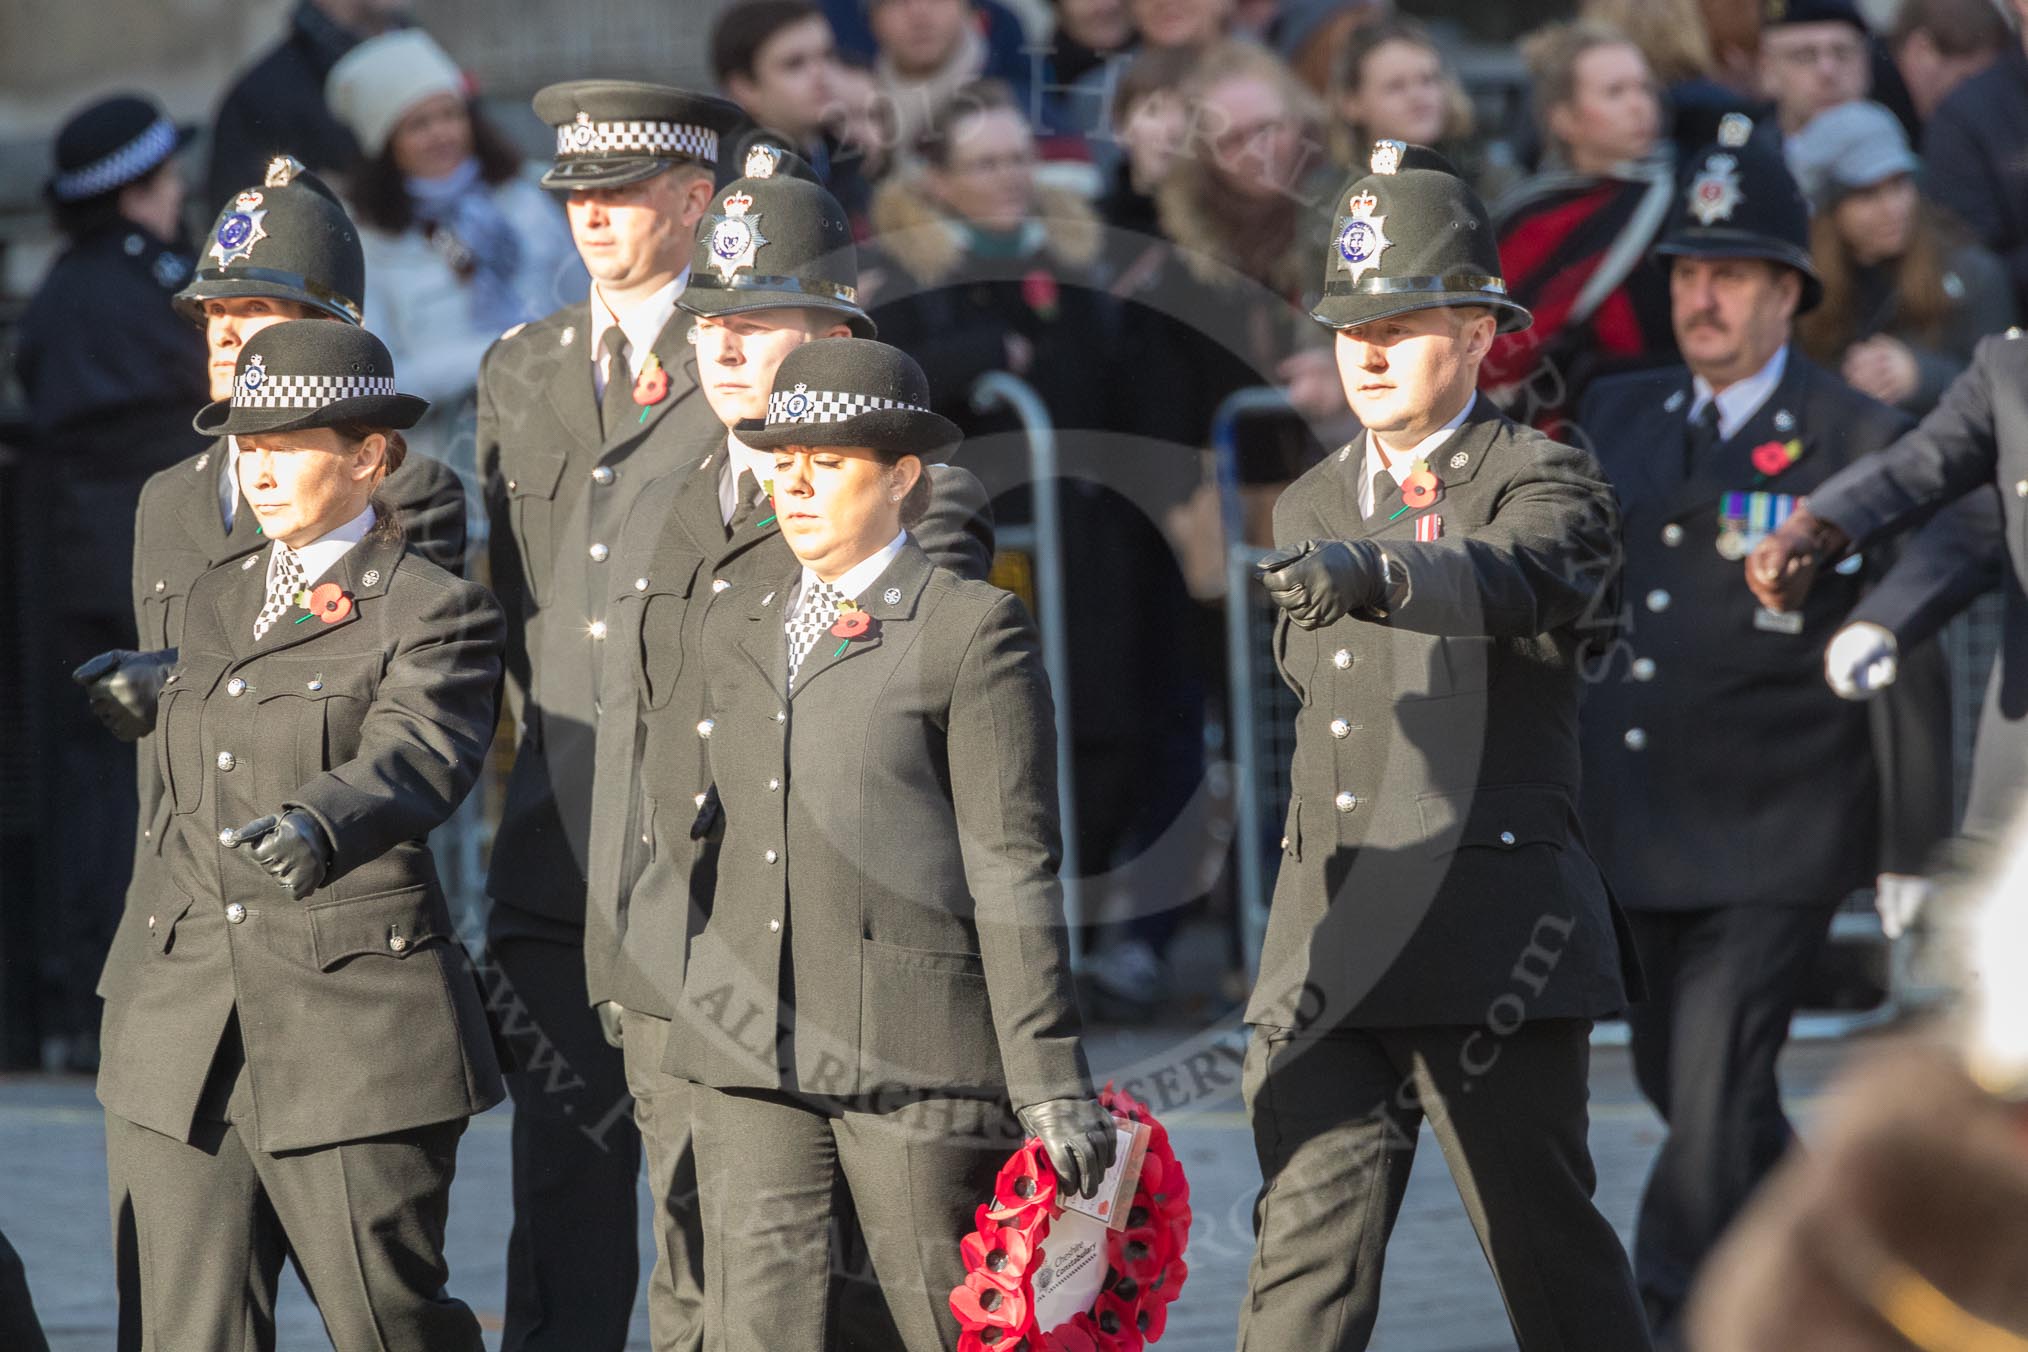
pixel 240 230
pixel 735 235
pixel 1387 156
pixel 1362 238
pixel 1714 194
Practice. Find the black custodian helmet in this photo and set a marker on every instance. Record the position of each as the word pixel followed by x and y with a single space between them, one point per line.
pixel 1742 202
pixel 290 239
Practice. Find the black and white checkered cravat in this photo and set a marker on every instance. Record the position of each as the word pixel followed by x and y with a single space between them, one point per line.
pixel 285 579
pixel 816 613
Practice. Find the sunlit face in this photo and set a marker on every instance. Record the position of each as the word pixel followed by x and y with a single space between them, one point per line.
pixel 228 323
pixel 838 506
pixel 1256 141
pixel 1400 95
pixel 791 82
pixel 988 177
pixel 1731 314
pixel 433 138
pixel 304 485
pixel 1877 222
pixel 737 355
pixel 1408 374
pixel 1808 67
pixel 1614 112
pixel 635 233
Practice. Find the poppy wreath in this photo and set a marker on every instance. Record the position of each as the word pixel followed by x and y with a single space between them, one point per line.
pixel 995 1304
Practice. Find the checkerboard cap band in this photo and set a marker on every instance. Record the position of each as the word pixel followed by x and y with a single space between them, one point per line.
pixel 309 391
pixel 123 166
pixel 828 406
pixel 592 140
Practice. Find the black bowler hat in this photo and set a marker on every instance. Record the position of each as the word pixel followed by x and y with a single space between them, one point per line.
pixel 771 240
pixel 112 143
pixel 851 392
pixel 1781 13
pixel 308 373
pixel 1411 235
pixel 613 132
pixel 288 239
pixel 1742 202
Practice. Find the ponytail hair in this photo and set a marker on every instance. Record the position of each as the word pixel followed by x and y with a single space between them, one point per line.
pixel 387 517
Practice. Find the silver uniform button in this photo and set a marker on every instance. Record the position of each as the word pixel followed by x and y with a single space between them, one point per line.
pixel 1644 668
pixel 1672 535
pixel 228 837
pixel 160 584
pixel 771 856
pixel 640 584
pixel 718 584
pixel 235 687
pixel 774 927
pixel 598 553
pixel 225 760
pixel 1658 600
pixel 598 628
pixel 774 785
pixel 2021 488
pixel 704 728
pixel 1636 739
pixel 1341 659
pixel 235 913
pixel 1345 802
pixel 781 715
pixel 396 942
pixel 1340 728
pixel 1506 837
pixel 698 798
pixel 316 683
pixel 603 475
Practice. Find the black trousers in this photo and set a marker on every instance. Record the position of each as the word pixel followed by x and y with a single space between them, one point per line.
pixel 572 1255
pixel 20 1330
pixel 771 1166
pixel 1335 1121
pixel 1722 985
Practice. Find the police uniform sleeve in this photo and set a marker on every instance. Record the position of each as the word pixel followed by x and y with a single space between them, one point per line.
pixel 1958 557
pixel 431 502
pixel 1002 732
pixel 957 531
pixel 424 738
pixel 503 553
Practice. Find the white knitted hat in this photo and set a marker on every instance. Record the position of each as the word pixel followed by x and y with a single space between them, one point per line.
pixel 374 85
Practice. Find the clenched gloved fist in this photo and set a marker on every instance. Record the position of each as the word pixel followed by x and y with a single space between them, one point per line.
pixel 124 687
pixel 1322 581
pixel 1861 660
pixel 1782 567
pixel 609 1012
pixel 291 848
pixel 1079 1137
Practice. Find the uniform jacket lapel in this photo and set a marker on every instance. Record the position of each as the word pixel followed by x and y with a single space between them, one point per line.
pixel 571 392
pixel 903 580
pixel 1455 463
pixel 669 344
pixel 363 573
pixel 765 641
pixel 1729 467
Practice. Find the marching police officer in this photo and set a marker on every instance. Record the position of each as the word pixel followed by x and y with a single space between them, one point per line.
pixel 291 1059
pixel 579 413
pixel 692 535
pixel 110 378
pixel 1440 939
pixel 1729 862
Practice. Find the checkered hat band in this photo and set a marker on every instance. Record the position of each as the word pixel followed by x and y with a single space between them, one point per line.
pixel 595 139
pixel 828 406
pixel 120 168
pixel 309 391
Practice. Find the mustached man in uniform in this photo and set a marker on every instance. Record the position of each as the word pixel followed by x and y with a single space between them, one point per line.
pixel 578 413
pixel 1441 939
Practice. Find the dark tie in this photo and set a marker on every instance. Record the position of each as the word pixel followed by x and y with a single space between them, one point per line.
pixel 1700 437
pixel 746 501
pixel 618 411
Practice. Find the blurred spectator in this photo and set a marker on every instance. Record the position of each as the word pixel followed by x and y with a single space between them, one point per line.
pixel 1939 44
pixel 1086 33
pixel 1972 149
pixel 855 121
pixel 1907 292
pixel 112 377
pixel 1391 83
pixel 776 59
pixel 1311 35
pixel 1160 25
pixel 1005 35
pixel 277 107
pixel 460 243
pixel 1672 36
pixel 926 51
pixel 1733 26
pixel 1150 121
pixel 1574 240
pixel 1814 54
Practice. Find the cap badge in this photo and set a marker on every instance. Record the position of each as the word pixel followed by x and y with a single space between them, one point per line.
pixel 735 236
pixel 1363 238
pixel 581 133
pixel 1734 129
pixel 255 375
pixel 1387 156
pixel 1715 194
pixel 761 161
pixel 282 171
pixel 371 578
pixel 240 230
pixel 798 402
pixel 892 596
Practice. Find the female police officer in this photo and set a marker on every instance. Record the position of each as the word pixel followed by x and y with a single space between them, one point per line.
pixel 884 971
pixel 294 1057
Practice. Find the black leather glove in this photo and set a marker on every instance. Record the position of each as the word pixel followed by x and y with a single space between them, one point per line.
pixel 1079 1137
pixel 124 687
pixel 292 848
pixel 609 1012
pixel 1322 581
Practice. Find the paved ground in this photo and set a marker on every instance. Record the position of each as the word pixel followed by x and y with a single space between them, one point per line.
pixel 1439 1297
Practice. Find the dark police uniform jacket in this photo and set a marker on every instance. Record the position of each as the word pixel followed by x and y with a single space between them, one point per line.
pixel 1719 767
pixel 356 1006
pixel 179 535
pixel 651 879
pixel 1975 438
pixel 558 494
pixel 1434 871
pixel 887 890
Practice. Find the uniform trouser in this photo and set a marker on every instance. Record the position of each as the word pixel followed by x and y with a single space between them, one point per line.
pixel 20 1330
pixel 1335 1121
pixel 573 1258
pixel 769 1165
pixel 363 1219
pixel 1722 985
pixel 662 1115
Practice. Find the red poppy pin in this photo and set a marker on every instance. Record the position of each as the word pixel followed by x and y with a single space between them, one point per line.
pixel 328 601
pixel 1038 290
pixel 1419 489
pixel 651 386
pixel 1772 457
pixel 851 623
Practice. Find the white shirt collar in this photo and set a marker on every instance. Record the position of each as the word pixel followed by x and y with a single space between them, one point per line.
pixel 1402 464
pixel 741 456
pixel 860 575
pixel 228 483
pixel 642 323
pixel 321 555
pixel 1742 399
